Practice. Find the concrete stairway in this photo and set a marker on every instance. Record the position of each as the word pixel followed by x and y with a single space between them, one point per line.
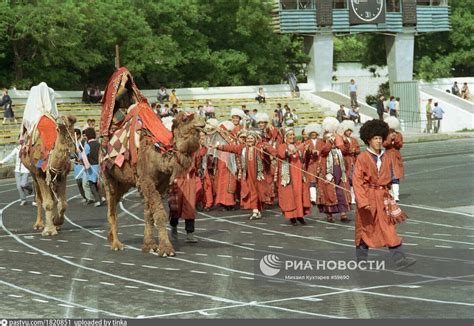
pixel 307 112
pixel 339 98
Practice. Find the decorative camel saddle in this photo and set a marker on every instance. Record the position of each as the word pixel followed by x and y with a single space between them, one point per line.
pixel 126 117
pixel 38 132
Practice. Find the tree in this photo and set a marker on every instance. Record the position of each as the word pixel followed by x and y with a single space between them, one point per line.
pixel 450 53
pixel 181 43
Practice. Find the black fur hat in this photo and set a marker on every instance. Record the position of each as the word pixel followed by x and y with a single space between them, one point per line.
pixel 373 128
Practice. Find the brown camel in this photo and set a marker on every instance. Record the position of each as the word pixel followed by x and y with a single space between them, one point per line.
pixel 151 175
pixel 50 185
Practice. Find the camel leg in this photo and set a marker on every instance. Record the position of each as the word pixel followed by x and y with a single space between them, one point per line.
pixel 148 242
pixel 39 225
pixel 61 203
pixel 113 193
pixel 153 201
pixel 48 205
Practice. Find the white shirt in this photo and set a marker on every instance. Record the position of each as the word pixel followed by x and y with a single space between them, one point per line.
pixel 379 158
pixel 15 153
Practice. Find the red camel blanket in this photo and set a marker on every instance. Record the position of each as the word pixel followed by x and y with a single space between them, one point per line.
pixel 123 139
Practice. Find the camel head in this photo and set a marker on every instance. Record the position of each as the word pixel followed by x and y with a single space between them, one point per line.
pixel 65 128
pixel 186 128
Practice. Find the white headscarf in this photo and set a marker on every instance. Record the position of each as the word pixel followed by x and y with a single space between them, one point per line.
pixel 41 101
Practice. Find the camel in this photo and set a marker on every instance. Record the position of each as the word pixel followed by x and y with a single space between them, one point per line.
pixel 153 170
pixel 50 185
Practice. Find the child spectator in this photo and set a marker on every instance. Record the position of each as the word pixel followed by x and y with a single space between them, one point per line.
pixel 260 96
pixel 91 149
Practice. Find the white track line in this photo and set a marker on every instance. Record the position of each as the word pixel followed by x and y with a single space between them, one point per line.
pixel 123 278
pixel 341 291
pixel 47 253
pixel 437 169
pixel 45 296
pixel 248 248
pixel 435 209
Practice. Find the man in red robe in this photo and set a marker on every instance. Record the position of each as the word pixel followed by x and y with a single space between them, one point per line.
pixel 272 136
pixel 225 181
pixel 393 144
pixel 372 180
pixel 350 148
pixel 313 147
pixel 182 200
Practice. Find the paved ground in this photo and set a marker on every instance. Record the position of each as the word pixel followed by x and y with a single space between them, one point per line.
pixel 76 275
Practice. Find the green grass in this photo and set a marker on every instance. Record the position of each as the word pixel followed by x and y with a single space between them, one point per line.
pixel 466 130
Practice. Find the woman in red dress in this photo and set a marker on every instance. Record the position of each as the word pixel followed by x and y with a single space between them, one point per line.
pixel 254 190
pixel 293 189
pixel 333 194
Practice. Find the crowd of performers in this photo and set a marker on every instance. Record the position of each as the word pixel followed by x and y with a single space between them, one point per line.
pixel 254 169
pixel 257 168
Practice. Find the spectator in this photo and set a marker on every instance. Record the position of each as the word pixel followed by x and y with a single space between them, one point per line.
pixel 253 117
pixel 249 120
pixel 353 92
pixel 89 124
pixel 341 114
pixel 260 96
pixel 174 110
pixel 428 115
pixel 397 107
pixel 210 110
pixel 85 95
pixel 173 98
pixel 276 119
pixel 292 81
pixel 465 91
pixel 91 149
pixel 95 95
pixel 165 111
pixel 288 118
pixel 79 166
pixel 391 107
pixel 201 111
pixel 295 116
pixel 455 89
pixel 163 94
pixel 158 110
pixel 354 114
pixel 381 107
pixel 6 101
pixel 21 175
pixel 280 113
pixel 438 113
